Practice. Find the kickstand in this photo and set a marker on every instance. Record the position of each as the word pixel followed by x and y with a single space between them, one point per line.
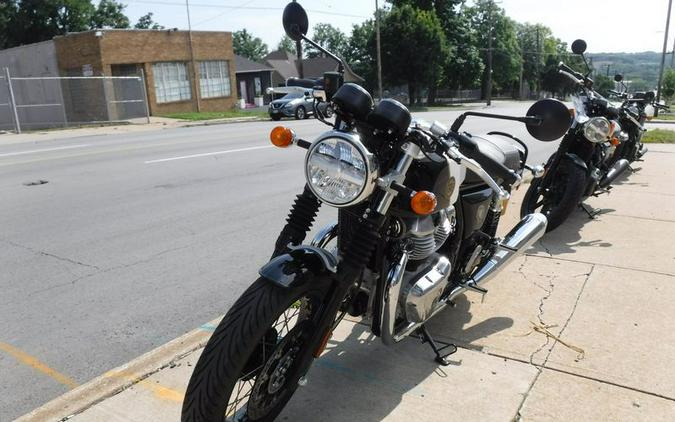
pixel 633 169
pixel 592 214
pixel 426 338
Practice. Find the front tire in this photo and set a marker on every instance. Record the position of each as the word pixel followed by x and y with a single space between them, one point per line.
pixel 560 199
pixel 250 353
pixel 300 113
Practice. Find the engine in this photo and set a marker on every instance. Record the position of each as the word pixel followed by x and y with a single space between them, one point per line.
pixel 423 286
pixel 427 234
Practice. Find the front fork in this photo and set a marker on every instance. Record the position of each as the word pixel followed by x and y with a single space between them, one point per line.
pixel 357 252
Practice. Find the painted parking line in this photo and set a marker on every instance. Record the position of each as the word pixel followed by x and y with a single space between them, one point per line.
pixel 35 151
pixel 36 364
pixel 207 154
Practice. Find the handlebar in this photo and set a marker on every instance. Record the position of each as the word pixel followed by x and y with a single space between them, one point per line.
pixel 578 76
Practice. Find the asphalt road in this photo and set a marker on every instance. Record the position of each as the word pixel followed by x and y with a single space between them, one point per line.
pixel 138 238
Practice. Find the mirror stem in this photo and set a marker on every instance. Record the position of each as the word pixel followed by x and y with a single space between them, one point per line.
pixel 341 67
pixel 530 120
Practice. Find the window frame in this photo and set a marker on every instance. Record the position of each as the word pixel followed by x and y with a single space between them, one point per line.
pixel 161 72
pixel 215 87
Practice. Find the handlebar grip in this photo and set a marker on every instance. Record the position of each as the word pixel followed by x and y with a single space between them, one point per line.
pixel 569 76
pixel 469 147
pixel 564 67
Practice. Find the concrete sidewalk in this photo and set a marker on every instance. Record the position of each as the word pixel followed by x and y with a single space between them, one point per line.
pixel 578 329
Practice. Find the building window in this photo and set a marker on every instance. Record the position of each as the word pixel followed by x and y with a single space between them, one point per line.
pixel 214 79
pixel 172 82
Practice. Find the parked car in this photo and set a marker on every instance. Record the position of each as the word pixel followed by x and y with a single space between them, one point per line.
pixel 297 104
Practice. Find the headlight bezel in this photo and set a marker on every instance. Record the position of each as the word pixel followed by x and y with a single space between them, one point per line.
pixel 368 159
pixel 593 137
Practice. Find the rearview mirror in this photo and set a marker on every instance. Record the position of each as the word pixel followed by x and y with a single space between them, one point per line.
pixel 579 47
pixel 618 77
pixel 295 21
pixel 555 120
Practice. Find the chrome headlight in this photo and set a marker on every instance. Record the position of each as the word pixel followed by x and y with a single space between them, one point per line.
pixel 650 111
pixel 597 129
pixel 339 169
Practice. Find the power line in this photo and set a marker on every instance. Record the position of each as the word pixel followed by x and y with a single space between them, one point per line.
pixel 220 6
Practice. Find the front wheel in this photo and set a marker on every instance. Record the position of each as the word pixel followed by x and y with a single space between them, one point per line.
pixel 300 113
pixel 558 200
pixel 249 368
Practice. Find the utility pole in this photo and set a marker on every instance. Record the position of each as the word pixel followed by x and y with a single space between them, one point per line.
pixel 538 60
pixel 663 56
pixel 379 54
pixel 672 55
pixel 489 59
pixel 192 57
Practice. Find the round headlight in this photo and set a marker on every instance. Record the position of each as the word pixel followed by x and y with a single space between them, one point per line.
pixel 650 111
pixel 339 169
pixel 597 129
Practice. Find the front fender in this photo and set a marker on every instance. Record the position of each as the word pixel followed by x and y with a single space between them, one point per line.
pixel 576 160
pixel 290 269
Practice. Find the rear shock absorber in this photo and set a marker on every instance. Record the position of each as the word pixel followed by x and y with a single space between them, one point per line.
pixel 299 221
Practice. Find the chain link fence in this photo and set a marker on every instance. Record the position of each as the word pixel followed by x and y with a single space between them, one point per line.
pixel 30 103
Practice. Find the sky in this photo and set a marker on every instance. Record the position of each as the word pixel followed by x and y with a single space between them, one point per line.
pixel 606 25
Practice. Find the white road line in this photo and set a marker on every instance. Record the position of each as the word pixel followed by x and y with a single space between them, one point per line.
pixel 34 151
pixel 207 154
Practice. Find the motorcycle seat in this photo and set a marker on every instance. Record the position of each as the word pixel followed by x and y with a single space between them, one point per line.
pixel 499 149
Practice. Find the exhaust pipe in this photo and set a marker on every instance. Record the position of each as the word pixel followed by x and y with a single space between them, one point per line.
pixel 530 229
pixel 643 150
pixel 617 169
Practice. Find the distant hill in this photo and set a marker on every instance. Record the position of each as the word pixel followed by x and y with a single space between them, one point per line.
pixel 642 69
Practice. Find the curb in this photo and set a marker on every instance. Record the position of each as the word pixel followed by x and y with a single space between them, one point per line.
pixel 224 121
pixel 661 122
pixel 104 386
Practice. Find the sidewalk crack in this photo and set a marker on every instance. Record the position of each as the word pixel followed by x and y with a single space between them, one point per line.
pixel 540 368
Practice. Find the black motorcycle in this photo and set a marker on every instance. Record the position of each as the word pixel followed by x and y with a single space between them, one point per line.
pixel 419 205
pixel 634 111
pixel 582 166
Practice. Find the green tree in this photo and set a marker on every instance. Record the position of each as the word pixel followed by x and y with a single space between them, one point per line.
pixel 603 84
pixel 146 22
pixel 668 84
pixel 246 45
pixel 487 18
pixel 328 37
pixel 286 44
pixel 40 20
pixel 413 48
pixel 462 65
pixel 361 54
pixel 8 10
pixel 109 14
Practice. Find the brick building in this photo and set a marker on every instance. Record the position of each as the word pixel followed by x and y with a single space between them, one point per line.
pixel 180 75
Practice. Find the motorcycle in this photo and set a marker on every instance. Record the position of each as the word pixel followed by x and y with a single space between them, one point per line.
pixel 634 111
pixel 582 166
pixel 418 209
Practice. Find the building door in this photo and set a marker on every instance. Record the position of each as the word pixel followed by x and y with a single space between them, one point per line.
pixel 242 91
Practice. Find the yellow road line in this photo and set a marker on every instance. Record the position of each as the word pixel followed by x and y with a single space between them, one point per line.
pixel 158 390
pixel 36 364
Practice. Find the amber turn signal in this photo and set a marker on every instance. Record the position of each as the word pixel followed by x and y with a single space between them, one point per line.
pixel 423 202
pixel 282 136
